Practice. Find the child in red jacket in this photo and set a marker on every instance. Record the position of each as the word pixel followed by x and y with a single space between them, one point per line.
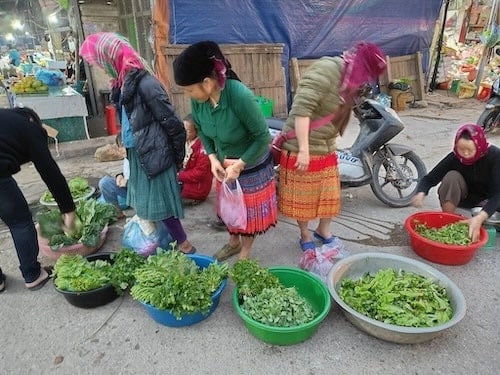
pixel 195 176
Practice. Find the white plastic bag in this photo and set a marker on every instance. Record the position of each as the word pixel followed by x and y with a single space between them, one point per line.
pixel 144 236
pixel 232 207
pixel 321 260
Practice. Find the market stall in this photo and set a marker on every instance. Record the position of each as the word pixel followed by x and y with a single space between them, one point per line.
pixel 63 108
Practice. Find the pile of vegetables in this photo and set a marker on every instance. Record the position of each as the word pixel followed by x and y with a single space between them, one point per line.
pixel 398 297
pixel 450 234
pixel 91 218
pixel 74 273
pixel 266 300
pixel 78 187
pixel 170 280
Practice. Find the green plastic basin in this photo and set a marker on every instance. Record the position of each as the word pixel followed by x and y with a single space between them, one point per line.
pixel 308 286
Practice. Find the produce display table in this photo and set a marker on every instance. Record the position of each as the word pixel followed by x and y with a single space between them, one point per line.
pixel 63 108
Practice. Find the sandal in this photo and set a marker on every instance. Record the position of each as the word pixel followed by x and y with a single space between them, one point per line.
pixel 49 270
pixel 2 283
pixel 324 240
pixel 308 245
pixel 192 251
pixel 227 251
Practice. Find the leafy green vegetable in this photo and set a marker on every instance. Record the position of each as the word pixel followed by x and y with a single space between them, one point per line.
pixel 75 273
pixel 50 223
pixel 265 299
pixel 125 263
pixel 251 278
pixel 450 234
pixel 400 298
pixel 170 280
pixel 92 217
pixel 78 187
pixel 279 307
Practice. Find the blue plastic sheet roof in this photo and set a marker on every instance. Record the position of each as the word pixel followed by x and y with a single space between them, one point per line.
pixel 308 28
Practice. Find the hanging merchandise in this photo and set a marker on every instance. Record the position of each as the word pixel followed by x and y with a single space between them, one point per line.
pixel 490 36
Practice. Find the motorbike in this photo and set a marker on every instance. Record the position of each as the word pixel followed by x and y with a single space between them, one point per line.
pixel 392 170
pixel 490 118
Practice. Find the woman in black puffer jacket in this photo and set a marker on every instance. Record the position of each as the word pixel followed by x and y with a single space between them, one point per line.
pixel 152 133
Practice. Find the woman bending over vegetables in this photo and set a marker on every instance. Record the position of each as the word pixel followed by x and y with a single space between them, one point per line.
pixel 23 139
pixel 469 177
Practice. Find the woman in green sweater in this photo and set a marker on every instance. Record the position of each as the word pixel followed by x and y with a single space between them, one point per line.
pixel 235 136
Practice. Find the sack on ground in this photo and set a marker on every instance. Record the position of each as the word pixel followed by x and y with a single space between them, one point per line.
pixel 110 153
pixel 321 260
pixel 232 207
pixel 275 147
pixel 144 236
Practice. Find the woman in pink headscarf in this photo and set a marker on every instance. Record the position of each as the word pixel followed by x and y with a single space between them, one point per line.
pixel 469 176
pixel 309 187
pixel 152 133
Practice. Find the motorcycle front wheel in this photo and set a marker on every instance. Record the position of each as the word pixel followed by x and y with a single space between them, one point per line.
pixel 487 118
pixel 394 182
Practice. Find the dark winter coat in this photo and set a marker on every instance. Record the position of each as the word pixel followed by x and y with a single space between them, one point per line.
pixel 482 178
pixel 158 132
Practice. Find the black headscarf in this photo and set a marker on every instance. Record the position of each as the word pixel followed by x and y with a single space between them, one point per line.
pixel 201 60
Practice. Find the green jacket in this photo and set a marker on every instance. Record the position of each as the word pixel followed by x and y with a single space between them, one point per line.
pixel 236 128
pixel 317 96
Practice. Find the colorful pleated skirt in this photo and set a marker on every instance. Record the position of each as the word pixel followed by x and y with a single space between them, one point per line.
pixel 309 195
pixel 259 188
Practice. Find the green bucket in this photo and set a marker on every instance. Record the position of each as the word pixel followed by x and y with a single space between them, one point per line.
pixel 266 106
pixel 308 286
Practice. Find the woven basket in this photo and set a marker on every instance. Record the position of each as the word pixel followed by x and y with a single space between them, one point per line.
pixel 400 99
pixel 76 249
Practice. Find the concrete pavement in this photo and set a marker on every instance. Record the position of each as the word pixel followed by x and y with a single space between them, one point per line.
pixel 43 334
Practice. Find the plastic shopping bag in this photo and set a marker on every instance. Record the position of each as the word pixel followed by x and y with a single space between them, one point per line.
pixel 321 260
pixel 144 236
pixel 232 207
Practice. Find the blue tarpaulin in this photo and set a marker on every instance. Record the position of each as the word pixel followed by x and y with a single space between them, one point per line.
pixel 308 28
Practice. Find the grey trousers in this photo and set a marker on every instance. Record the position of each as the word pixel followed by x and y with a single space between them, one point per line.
pixel 453 189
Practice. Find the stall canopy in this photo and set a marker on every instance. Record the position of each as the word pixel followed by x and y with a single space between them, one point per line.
pixel 308 28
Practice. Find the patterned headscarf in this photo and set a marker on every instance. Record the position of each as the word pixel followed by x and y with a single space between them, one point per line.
pixel 113 53
pixel 364 63
pixel 478 137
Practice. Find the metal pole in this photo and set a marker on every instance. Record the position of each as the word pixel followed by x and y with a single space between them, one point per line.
pixel 79 37
pixel 432 85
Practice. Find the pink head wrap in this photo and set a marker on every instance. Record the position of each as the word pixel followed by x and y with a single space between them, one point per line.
pixel 113 53
pixel 363 64
pixel 478 137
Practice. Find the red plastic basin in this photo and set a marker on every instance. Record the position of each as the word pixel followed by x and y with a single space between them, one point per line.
pixel 439 252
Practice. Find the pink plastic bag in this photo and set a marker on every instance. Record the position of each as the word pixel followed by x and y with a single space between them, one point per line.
pixel 321 260
pixel 232 207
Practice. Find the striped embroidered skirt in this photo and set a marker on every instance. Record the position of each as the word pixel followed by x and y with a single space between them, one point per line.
pixel 153 199
pixel 309 195
pixel 259 188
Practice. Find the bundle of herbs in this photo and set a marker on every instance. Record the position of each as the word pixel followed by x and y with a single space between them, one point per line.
pixel 74 273
pixel 398 297
pixel 264 299
pixel 91 218
pixel 170 280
